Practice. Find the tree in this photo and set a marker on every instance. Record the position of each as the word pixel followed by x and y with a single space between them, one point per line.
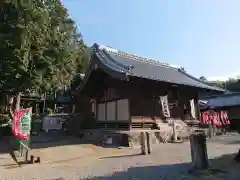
pixel 72 56
pixel 81 68
pixel 40 45
pixel 23 29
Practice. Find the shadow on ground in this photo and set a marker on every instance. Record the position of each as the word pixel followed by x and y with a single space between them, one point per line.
pixel 124 156
pixel 53 139
pixel 221 168
pixel 43 140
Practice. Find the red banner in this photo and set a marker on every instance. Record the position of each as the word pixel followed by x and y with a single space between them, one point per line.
pixel 21 124
pixel 216 118
pixel 205 117
pixel 224 117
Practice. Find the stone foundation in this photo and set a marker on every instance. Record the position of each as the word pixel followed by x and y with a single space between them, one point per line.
pixel 131 138
pixel 122 138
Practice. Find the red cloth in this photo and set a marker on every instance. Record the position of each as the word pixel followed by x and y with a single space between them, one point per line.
pixel 205 117
pixel 218 119
pixel 215 119
pixel 224 116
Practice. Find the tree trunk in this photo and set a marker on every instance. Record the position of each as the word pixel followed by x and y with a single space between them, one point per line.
pixel 199 151
pixel 10 106
pixel 13 104
pixel 18 100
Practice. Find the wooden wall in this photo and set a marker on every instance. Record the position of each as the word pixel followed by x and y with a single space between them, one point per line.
pixel 136 99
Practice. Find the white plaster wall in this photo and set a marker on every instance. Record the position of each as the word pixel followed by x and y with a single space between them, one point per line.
pixel 101 112
pixel 111 111
pixel 123 109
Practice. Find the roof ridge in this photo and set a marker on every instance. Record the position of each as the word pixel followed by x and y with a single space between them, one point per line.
pixel 144 59
pixel 136 57
pixel 199 80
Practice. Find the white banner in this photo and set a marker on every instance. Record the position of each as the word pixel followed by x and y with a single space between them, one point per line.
pixel 165 108
pixel 193 110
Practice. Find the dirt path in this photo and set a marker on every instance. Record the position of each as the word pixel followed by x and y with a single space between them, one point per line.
pixel 168 161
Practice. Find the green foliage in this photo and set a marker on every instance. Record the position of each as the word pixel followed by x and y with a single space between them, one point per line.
pixel 4 119
pixel 40 45
pixel 232 84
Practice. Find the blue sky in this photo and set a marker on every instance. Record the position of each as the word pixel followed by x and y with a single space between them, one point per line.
pixel 201 35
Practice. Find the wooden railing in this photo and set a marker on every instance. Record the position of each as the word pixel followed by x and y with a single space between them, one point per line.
pixel 142 125
pixel 123 125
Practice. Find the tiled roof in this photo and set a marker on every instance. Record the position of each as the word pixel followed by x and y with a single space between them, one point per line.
pixel 133 65
pixel 224 100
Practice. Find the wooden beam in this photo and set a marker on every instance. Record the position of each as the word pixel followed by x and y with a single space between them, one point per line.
pixel 116 110
pixel 181 105
pixel 198 108
pixel 130 113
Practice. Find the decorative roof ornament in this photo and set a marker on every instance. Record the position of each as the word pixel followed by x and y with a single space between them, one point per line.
pixel 109 49
pixel 135 57
pixel 143 59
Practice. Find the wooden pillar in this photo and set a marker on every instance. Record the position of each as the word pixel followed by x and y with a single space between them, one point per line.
pixel 145 140
pixel 198 109
pixel 174 131
pixel 116 110
pixel 149 146
pixel 105 104
pixel 181 105
pixel 199 151
pixel 210 130
pixel 96 110
pixel 143 143
pixel 214 130
pixel 31 159
pixel 129 113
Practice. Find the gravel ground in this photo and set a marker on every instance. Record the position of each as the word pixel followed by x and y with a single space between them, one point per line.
pixel 167 162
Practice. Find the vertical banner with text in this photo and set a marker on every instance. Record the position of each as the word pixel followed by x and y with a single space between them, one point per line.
pixel 21 125
pixel 164 103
